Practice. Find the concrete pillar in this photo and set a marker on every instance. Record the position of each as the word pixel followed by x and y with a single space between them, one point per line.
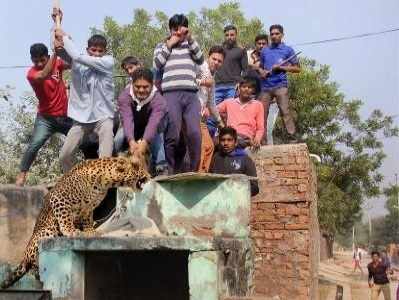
pixel 203 275
pixel 62 272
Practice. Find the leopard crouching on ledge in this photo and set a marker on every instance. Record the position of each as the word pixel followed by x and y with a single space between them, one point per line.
pixel 68 207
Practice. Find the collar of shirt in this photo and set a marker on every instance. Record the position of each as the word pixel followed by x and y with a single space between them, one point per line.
pixel 243 105
pixel 277 46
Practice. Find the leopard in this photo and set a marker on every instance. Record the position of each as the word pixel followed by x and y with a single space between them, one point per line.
pixel 68 207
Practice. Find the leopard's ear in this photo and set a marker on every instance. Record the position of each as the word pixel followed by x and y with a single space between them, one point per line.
pixel 138 161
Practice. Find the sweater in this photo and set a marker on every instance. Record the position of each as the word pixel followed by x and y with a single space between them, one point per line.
pixel 234 65
pixel 178 65
pixel 142 123
pixel 236 162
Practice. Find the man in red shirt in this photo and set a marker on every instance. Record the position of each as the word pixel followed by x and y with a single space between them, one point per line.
pixel 45 77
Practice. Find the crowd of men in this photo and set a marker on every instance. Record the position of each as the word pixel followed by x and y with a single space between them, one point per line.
pixel 187 113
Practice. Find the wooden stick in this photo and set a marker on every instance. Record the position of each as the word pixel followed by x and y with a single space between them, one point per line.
pixel 56 6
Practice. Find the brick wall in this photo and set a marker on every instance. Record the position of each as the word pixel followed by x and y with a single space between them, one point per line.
pixel 284 224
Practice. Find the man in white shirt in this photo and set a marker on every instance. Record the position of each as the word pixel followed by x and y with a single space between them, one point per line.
pixel 91 97
pixel 205 80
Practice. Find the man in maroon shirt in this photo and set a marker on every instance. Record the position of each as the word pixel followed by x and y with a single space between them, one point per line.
pixel 378 277
pixel 45 77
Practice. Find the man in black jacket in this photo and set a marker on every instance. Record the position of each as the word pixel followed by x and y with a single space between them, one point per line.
pixel 232 160
pixel 378 277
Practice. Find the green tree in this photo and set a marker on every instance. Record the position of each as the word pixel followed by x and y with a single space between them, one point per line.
pixel 391 224
pixel 351 148
pixel 18 119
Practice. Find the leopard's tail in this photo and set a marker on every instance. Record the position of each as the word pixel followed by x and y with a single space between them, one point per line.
pixel 15 275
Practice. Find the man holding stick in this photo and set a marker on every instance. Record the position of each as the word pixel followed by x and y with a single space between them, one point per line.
pixel 91 96
pixel 46 79
pixel 275 61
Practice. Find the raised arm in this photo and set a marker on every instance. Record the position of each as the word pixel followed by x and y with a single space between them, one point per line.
pixel 103 64
pixel 196 52
pixel 42 74
pixel 161 55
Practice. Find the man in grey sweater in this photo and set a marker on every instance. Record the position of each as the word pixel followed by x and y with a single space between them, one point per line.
pixel 91 96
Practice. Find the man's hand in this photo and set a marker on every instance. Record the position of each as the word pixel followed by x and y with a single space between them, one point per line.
pixel 133 146
pixel 172 41
pixel 371 284
pixel 278 68
pixel 256 144
pixel 56 12
pixel 142 148
pixel 263 73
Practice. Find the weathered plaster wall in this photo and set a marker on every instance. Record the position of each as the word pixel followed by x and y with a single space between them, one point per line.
pixel 284 224
pixel 19 208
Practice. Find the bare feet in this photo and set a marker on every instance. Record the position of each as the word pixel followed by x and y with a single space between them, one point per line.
pixel 21 178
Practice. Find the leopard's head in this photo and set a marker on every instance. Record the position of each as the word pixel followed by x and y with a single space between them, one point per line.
pixel 131 172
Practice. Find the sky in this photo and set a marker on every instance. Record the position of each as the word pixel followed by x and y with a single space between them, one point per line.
pixel 366 69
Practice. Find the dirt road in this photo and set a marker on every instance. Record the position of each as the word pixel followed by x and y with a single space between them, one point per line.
pixel 339 270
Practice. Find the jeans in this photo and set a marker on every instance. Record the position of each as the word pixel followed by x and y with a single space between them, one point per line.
pixel 157 150
pixel 222 92
pixel 44 128
pixel 120 143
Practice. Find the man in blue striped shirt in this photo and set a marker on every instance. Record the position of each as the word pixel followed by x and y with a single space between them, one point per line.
pixel 177 58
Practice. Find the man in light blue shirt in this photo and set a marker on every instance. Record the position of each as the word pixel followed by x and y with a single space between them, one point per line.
pixel 275 61
pixel 91 96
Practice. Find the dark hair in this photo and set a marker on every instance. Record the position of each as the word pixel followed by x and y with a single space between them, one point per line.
pixel 230 27
pixel 97 40
pixel 143 73
pixel 178 20
pixel 217 49
pixel 38 50
pixel 228 130
pixel 375 252
pixel 129 60
pixel 262 37
pixel 278 27
pixel 252 80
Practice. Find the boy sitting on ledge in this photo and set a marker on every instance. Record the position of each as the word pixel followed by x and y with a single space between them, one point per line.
pixel 233 160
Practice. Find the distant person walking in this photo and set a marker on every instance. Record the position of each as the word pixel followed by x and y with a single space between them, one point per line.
pixel 378 277
pixel 357 259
